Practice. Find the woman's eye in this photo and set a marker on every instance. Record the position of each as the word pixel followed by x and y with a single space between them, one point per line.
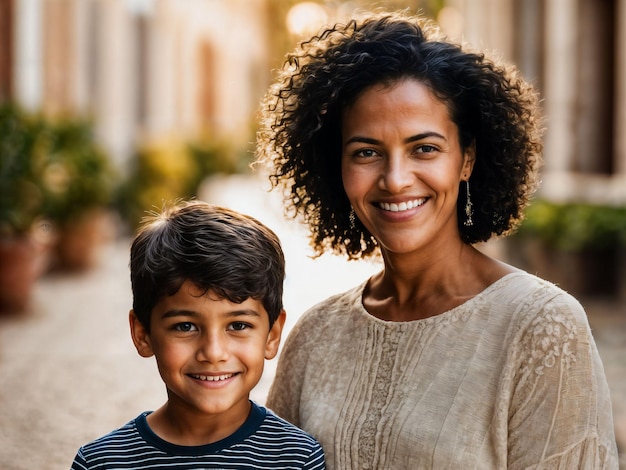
pixel 426 149
pixel 365 153
pixel 185 327
pixel 239 326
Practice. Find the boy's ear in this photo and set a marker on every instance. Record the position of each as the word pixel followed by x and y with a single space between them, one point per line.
pixel 273 339
pixel 141 338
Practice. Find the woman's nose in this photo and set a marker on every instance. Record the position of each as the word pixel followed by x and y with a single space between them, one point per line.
pixel 396 175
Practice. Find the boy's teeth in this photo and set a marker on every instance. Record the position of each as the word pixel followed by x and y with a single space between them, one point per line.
pixel 213 378
pixel 403 206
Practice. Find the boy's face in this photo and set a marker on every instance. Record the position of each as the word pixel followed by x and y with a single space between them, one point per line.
pixel 210 352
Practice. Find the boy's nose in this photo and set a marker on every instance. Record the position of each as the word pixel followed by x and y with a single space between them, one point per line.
pixel 212 348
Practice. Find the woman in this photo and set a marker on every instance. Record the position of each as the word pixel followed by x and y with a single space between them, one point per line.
pixel 389 139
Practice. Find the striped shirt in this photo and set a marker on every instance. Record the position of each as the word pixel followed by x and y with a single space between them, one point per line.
pixel 263 441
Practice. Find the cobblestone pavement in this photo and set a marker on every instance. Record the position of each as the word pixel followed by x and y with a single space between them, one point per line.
pixel 69 372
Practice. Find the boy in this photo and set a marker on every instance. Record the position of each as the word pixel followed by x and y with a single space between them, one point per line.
pixel 207 288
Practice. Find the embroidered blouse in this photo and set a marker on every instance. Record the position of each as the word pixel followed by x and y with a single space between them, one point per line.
pixel 510 379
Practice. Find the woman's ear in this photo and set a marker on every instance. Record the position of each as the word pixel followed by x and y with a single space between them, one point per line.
pixel 273 338
pixel 141 338
pixel 469 158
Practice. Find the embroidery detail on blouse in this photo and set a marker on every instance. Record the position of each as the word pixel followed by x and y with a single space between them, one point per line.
pixel 552 340
pixel 381 378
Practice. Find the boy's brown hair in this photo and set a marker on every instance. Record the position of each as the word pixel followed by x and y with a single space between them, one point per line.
pixel 219 250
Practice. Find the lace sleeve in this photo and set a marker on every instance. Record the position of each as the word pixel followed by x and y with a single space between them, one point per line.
pixel 560 414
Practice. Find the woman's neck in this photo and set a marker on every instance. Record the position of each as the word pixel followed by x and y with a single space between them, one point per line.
pixel 413 288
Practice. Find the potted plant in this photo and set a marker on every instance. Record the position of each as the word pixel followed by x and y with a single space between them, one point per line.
pixel 576 245
pixel 24 234
pixel 79 183
pixel 170 168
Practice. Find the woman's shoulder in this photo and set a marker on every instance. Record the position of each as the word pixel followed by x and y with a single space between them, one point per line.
pixel 532 292
pixel 327 315
pixel 333 306
pixel 543 312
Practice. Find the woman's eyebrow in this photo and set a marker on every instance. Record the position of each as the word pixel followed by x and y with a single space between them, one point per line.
pixel 424 135
pixel 414 138
pixel 361 140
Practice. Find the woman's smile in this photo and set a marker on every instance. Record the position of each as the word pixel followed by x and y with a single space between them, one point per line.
pixel 401 206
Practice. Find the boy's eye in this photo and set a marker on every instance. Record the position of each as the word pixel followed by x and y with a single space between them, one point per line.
pixel 238 326
pixel 185 327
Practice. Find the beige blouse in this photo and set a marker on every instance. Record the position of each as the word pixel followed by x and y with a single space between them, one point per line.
pixel 510 379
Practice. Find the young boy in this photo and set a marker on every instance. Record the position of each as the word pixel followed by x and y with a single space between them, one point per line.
pixel 207 288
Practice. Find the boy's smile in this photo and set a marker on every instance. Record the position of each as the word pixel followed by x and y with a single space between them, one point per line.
pixel 210 353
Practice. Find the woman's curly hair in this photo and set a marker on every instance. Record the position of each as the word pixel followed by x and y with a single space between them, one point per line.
pixel 300 137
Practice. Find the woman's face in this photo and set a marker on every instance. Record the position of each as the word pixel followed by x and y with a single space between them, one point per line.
pixel 402 165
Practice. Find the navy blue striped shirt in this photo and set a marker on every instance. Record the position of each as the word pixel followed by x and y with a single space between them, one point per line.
pixel 263 441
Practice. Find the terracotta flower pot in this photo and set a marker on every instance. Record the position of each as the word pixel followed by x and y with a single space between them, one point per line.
pixel 80 241
pixel 22 260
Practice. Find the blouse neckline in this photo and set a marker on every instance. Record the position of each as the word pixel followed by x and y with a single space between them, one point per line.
pixel 452 313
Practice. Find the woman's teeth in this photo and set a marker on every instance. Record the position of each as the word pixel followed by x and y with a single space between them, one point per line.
pixel 402 206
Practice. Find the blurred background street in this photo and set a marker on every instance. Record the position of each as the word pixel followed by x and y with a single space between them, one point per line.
pixel 109 107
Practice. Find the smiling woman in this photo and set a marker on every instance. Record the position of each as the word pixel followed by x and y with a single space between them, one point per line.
pixel 401 166
pixel 390 140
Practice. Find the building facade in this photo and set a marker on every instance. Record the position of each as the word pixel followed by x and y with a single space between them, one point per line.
pixel 141 68
pixel 575 53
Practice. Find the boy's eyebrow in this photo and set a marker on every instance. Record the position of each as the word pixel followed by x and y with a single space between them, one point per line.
pixel 191 313
pixel 179 313
pixel 413 138
pixel 243 312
